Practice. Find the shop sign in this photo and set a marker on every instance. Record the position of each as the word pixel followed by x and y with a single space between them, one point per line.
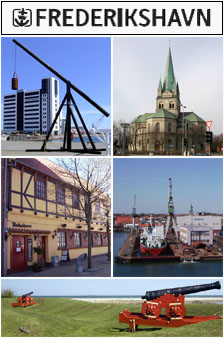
pixel 65 255
pixel 14 224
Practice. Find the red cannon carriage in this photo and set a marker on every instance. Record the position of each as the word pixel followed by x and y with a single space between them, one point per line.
pixel 173 302
pixel 24 301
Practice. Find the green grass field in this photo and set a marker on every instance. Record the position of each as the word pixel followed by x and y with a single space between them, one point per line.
pixel 61 317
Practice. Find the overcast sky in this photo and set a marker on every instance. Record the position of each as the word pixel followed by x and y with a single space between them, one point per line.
pixel 139 62
pixel 196 181
pixel 97 287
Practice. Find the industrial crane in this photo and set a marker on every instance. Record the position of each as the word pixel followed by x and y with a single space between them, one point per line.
pixel 171 223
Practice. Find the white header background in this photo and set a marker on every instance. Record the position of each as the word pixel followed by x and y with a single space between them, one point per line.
pixel 215 28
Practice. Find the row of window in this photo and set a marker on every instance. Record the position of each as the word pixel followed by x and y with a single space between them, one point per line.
pixel 171 105
pixel 78 239
pixel 41 192
pixel 157 127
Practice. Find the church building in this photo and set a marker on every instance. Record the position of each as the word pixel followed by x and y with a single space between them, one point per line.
pixel 170 130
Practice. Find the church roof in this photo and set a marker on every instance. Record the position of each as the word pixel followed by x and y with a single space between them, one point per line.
pixel 160 85
pixel 144 117
pixel 192 117
pixel 163 113
pixel 169 78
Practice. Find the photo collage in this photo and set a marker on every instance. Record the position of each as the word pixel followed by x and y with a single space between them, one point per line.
pixel 111 186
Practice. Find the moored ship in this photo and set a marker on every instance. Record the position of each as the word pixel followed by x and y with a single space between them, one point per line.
pixel 152 238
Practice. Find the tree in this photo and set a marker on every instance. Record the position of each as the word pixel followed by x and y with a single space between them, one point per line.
pixel 92 179
pixel 217 144
pixel 107 213
pixel 118 136
pixel 7 293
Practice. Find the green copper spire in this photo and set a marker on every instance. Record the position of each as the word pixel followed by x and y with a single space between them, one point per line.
pixel 169 78
pixel 160 85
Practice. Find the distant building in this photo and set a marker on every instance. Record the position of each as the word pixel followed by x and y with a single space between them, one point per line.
pixel 32 111
pixel 213 221
pixel 193 235
pixel 170 127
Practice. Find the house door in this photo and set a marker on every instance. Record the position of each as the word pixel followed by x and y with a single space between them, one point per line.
pixel 41 243
pixel 18 254
pixel 157 146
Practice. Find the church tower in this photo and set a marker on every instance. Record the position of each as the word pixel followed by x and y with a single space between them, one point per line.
pixel 168 96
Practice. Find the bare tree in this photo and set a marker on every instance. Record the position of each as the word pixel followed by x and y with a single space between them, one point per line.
pixel 107 207
pixel 92 178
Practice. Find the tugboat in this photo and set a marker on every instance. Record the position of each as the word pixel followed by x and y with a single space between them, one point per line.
pixel 152 237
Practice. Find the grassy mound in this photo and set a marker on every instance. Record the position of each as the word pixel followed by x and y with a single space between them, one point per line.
pixel 62 317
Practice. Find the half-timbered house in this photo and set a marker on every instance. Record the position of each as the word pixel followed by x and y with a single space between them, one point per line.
pixel 41 209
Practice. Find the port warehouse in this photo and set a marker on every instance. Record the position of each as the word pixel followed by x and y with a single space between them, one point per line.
pixel 43 210
pixel 201 227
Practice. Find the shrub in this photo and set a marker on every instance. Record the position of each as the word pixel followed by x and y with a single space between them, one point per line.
pixel 7 293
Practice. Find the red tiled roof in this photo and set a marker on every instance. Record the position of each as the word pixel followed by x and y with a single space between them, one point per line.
pixel 125 219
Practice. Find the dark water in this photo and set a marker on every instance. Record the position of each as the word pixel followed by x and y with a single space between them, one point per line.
pixel 163 269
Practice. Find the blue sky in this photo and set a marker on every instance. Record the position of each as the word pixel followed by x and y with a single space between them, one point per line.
pixel 86 62
pixel 198 66
pixel 196 181
pixel 81 287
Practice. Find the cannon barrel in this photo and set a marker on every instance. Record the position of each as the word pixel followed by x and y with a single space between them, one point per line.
pixel 150 295
pixel 25 295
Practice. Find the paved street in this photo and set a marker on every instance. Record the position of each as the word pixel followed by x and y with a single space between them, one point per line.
pixel 18 148
pixel 101 267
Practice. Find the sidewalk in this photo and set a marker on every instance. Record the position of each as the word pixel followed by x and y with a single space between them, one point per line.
pixel 101 267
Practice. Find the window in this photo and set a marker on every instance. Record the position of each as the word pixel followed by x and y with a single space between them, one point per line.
pixel 86 202
pixel 75 200
pixel 171 105
pixel 97 207
pixel 157 127
pixel 160 105
pixel 169 127
pixel 99 239
pixel 61 239
pixel 77 239
pixel 60 194
pixel 40 186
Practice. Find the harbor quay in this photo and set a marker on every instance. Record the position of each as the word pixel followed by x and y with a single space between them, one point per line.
pixel 19 148
pixel 175 251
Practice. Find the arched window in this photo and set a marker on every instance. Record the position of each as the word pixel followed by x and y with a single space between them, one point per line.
pixel 160 105
pixel 157 127
pixel 171 105
pixel 169 127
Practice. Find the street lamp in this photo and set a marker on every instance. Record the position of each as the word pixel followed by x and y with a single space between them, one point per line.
pixel 183 128
pixel 125 126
